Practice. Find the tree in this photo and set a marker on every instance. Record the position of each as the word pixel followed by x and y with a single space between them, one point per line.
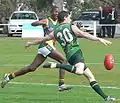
pixel 44 3
pixel 44 6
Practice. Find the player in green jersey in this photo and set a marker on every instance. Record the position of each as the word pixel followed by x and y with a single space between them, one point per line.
pixel 67 34
pixel 45 49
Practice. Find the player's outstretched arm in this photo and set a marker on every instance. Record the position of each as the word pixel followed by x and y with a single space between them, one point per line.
pixel 39 40
pixel 80 33
pixel 40 22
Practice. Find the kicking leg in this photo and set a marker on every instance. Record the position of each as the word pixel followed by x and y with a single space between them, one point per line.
pixel 39 59
pixel 79 69
pixel 93 83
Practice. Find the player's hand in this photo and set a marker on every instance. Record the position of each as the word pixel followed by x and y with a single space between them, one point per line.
pixel 105 42
pixel 27 44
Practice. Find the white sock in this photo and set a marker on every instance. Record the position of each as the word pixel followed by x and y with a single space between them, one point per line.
pixel 53 65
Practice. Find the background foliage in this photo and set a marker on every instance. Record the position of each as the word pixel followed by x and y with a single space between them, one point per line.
pixel 42 7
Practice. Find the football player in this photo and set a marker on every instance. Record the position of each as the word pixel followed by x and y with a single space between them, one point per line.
pixel 45 49
pixel 67 34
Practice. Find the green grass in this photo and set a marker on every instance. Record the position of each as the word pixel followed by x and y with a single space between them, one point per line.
pixel 34 88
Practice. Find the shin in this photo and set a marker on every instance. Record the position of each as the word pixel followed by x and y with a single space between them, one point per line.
pixel 88 74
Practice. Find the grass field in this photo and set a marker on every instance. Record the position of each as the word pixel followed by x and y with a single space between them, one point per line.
pixel 41 85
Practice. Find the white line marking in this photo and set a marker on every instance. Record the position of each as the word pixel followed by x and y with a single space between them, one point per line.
pixel 75 85
pixel 9 65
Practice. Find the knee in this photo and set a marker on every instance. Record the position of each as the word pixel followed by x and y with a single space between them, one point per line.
pixel 79 71
pixel 80 68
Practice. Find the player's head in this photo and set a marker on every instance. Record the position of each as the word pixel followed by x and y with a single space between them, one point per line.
pixel 64 16
pixel 54 12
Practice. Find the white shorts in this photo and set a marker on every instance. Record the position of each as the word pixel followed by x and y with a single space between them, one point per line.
pixel 46 50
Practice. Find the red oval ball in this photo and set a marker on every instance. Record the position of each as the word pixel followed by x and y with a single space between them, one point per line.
pixel 109 61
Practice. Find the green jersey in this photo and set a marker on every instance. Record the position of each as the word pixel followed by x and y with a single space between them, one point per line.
pixel 52 23
pixel 50 26
pixel 67 39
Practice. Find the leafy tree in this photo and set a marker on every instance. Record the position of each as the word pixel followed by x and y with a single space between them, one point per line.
pixel 44 3
pixel 44 6
pixel 70 3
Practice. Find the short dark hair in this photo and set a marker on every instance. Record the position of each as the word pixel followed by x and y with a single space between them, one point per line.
pixel 53 8
pixel 61 16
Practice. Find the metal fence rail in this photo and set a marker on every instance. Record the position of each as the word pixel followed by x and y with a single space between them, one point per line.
pixel 94 26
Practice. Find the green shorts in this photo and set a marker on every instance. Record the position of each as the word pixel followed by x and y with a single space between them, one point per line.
pixel 76 58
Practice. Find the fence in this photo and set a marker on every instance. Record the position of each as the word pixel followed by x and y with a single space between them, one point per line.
pixel 94 26
pixel 91 27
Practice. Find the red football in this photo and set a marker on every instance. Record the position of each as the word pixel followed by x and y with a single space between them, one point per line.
pixel 109 61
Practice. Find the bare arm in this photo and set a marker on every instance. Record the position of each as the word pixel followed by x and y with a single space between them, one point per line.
pixel 39 40
pixel 40 22
pixel 86 35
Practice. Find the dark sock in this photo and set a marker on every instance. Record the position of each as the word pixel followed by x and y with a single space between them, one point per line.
pixel 97 88
pixel 61 83
pixel 67 67
pixel 11 76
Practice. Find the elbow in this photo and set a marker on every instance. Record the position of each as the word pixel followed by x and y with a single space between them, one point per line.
pixel 35 24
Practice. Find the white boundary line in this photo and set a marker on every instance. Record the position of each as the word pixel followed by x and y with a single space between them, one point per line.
pixel 10 65
pixel 75 85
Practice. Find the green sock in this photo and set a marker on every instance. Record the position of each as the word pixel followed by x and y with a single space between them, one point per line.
pixel 67 67
pixel 97 88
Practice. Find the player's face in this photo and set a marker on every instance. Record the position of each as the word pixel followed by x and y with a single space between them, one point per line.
pixel 68 19
pixel 55 13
